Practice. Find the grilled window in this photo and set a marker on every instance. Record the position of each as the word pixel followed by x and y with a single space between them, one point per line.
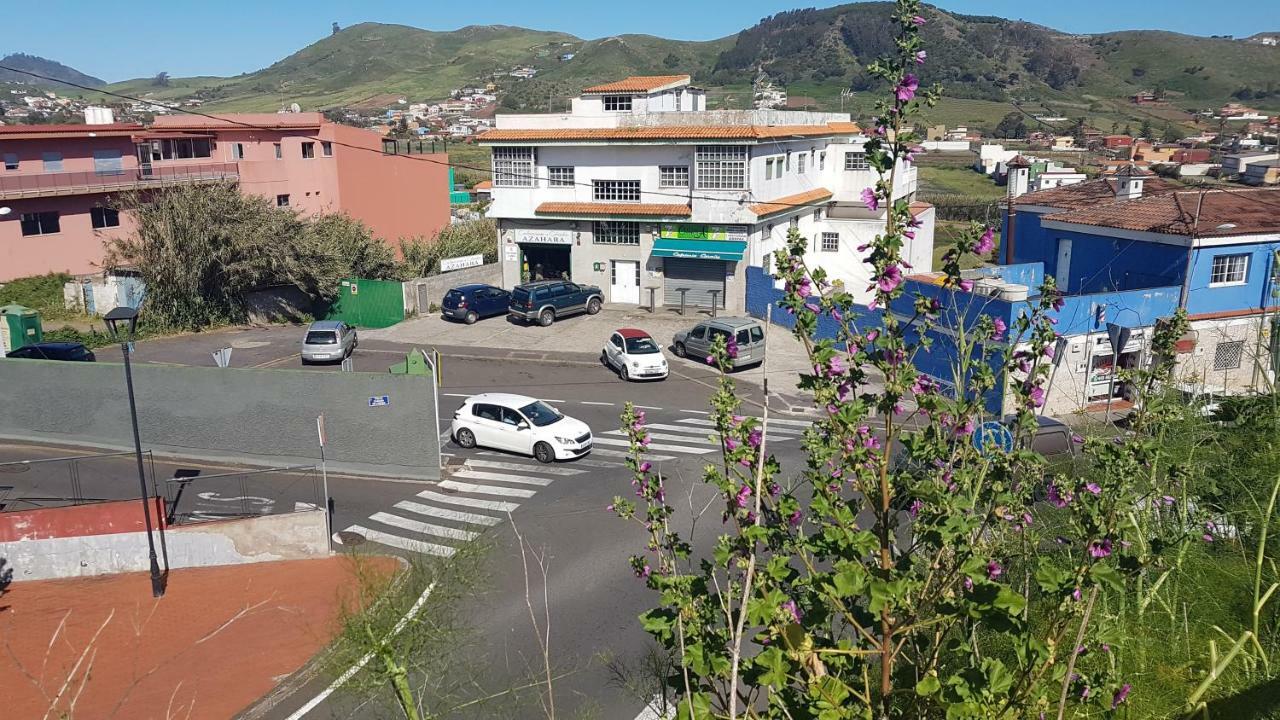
pixel 513 166
pixel 616 190
pixel 560 176
pixel 1228 355
pixel 1229 269
pixel 800 162
pixel 104 217
pixel 617 103
pixel 856 161
pixel 673 176
pixel 721 167
pixel 822 160
pixel 614 232
pixel 41 223
pixel 830 242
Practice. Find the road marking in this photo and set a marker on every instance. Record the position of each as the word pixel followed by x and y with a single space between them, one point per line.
pixel 624 454
pixel 462 395
pixel 501 477
pixel 548 469
pixel 656 446
pixel 709 423
pixel 422 528
pixel 588 402
pixel 646 407
pixel 578 461
pixel 469 502
pixel 555 401
pixel 417 546
pixel 779 432
pixel 486 489
pixel 445 514
pixel 696 412
pixel 678 438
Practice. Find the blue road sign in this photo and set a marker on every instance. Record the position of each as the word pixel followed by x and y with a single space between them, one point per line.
pixel 991 437
pixel 383 401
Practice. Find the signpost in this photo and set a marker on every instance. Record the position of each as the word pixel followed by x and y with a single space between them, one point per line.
pixel 458 263
pixel 1118 335
pixel 703 232
pixel 222 357
pixel 544 237
pixel 324 474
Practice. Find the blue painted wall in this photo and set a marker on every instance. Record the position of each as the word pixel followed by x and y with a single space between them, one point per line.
pixel 1253 294
pixel 1030 274
pixel 1030 243
pixel 1131 308
pixel 761 294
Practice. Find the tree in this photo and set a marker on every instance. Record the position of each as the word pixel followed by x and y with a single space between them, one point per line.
pixel 160 80
pixel 671 61
pixel 1012 126
pixel 1128 129
pixel 1077 132
pixel 1145 131
pixel 1172 134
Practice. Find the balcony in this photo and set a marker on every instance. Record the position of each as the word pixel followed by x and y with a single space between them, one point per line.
pixel 32 185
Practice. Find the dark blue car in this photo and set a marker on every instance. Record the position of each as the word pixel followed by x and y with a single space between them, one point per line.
pixel 469 303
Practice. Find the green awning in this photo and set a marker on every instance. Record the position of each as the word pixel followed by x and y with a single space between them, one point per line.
pixel 731 250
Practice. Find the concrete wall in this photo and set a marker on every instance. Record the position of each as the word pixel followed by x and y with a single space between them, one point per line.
pixel 264 417
pixel 436 286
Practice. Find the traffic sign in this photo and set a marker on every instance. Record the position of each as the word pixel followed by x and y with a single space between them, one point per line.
pixel 993 436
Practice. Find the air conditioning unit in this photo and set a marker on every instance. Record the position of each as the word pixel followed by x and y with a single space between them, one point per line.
pixel 1013 292
pixel 987 287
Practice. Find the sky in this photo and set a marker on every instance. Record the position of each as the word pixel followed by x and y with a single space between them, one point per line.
pixel 124 39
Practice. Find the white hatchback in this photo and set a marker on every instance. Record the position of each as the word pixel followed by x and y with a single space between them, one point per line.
pixel 635 355
pixel 519 424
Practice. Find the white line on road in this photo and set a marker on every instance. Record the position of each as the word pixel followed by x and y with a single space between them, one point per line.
pixel 502 477
pixel 703 439
pixel 623 454
pixel 422 528
pixel 486 489
pixel 469 502
pixel 555 401
pixel 576 462
pixel 699 422
pixel 589 402
pixel 548 469
pixel 646 407
pixel 696 412
pixel 655 446
pixel 417 546
pixel 797 423
pixel 446 514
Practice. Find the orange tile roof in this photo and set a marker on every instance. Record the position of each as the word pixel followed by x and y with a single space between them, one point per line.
pixel 1248 212
pixel 790 202
pixel 33 132
pixel 637 83
pixel 483 185
pixel 919 207
pixel 1088 193
pixel 614 209
pixel 670 132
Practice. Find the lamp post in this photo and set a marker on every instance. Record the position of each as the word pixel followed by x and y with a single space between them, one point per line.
pixel 121 323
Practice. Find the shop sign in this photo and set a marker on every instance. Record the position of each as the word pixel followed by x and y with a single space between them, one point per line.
pixel 695 255
pixel 458 263
pixel 544 237
pixel 510 253
pixel 677 231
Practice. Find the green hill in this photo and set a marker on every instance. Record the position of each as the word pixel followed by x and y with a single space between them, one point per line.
pixel 48 68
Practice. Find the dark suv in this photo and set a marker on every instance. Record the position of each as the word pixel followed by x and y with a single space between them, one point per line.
pixel 547 300
pixel 70 351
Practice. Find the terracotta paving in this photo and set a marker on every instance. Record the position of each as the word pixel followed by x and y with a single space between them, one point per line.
pixel 218 640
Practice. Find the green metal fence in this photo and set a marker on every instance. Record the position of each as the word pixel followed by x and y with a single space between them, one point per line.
pixel 368 303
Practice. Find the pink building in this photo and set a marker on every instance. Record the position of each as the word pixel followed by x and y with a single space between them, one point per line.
pixel 57 179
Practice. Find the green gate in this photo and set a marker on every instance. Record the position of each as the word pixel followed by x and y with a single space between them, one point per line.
pixel 368 303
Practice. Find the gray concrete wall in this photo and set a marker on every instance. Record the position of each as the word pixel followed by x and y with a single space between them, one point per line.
pixel 436 286
pixel 253 416
pixel 292 536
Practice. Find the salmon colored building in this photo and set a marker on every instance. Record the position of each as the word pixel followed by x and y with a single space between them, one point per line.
pixel 58 180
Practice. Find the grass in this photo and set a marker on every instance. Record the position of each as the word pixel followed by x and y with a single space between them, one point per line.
pixel 950 180
pixel 40 292
pixel 945 234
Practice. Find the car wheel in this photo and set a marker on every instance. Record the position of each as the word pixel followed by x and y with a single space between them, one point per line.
pixel 679 350
pixel 305 362
pixel 543 453
pixel 471 318
pixel 465 438
pixel 626 375
pixel 546 317
pixel 604 359
pixel 593 306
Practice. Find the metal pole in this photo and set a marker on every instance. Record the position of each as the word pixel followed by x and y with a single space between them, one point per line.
pixel 157 584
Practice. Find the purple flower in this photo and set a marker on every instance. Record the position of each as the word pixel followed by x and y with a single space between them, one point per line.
pixel 755 438
pixel 835 366
pixel 922 385
pixel 835 315
pixel 966 285
pixel 1059 498
pixel 1026 518
pixel 994 570
pixel 743 494
pixel 1037 395
pixel 794 520
pixel 1000 328
pixel 1207 537
pixel 1100 550
pixel 907 87
pixel 1168 500
pixel 968 584
pixel 609 507
pixel 1077 439
pixel 812 307
pixel 731 348
pixel 711 360
pixel 918 21
pixel 805 288
pixel 920 57
pixel 914 510
pixel 1075 594
pixel 645 466
pixel 1094 488
pixel 643 572
pixel 730 443
pixel 644 441
pixel 792 610
pixel 1058 302
pixel 870 200
pixel 1048 351
pixel 1120 695
pixel 986 243
pixel 891 278
pixel 963 429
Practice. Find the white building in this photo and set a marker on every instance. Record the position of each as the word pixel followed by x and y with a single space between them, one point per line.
pixel 1056 177
pixel 991 157
pixel 639 189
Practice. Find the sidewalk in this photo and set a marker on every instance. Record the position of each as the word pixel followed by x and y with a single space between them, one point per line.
pixel 219 639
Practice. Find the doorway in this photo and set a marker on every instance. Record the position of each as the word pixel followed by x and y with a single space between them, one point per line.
pixel 544 262
pixel 1063 275
pixel 624 281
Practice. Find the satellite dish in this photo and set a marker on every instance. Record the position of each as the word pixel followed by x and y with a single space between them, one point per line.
pixel 295 107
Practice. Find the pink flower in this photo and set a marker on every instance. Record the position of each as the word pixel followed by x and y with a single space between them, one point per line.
pixel 968 584
pixel 792 610
pixel 920 57
pixel 1075 594
pixel 711 360
pixel 966 285
pixel 644 441
pixel 907 87
pixel 794 520
pixel 812 307
pixel 965 428
pixel 743 494
pixel 1048 351
pixel 731 348
pixel 891 279
pixel 1100 550
pixel 609 507
pixel 755 438
pixel 730 444
pixel 1094 488
pixel 1000 328
pixel 1120 695
pixel 914 510
pixel 835 315
pixel 1037 395
pixel 918 21
pixel 986 243
pixel 870 200
pixel 994 570
pixel 835 366
pixel 1058 497
pixel 645 466
pixel 922 385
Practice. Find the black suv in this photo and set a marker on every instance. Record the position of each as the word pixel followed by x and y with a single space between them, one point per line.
pixel 74 352
pixel 547 300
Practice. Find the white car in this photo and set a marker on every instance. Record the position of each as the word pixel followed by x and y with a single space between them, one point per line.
pixel 519 424
pixel 634 355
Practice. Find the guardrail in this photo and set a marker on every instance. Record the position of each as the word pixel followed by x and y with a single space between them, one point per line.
pixel 93 181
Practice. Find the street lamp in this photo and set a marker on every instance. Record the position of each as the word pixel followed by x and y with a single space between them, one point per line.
pixel 5 211
pixel 121 323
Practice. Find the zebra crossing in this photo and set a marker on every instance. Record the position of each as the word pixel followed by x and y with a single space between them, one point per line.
pixel 490 485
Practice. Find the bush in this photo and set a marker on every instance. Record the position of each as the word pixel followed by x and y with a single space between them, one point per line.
pixel 421 258
pixel 39 292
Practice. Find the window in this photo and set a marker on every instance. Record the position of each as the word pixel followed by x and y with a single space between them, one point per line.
pixel 617 103
pixel 52 161
pixel 11 161
pixel 615 232
pixel 768 168
pixel 513 167
pixel 108 162
pixel 279 151
pixel 308 150
pixel 800 161
pixel 560 176
pixel 698 332
pixel 856 161
pixel 787 162
pixel 104 217
pixel 1228 270
pixel 721 167
pixel 237 151
pixel 282 201
pixel 487 412
pixel 830 242
pixel 616 190
pixel 822 160
pixel 1228 355
pixel 44 223
pixel 817 215
pixel 673 176
pixel 326 148
pixel 182 149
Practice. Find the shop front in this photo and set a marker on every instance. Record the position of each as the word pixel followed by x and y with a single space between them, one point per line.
pixel 532 254
pixel 699 262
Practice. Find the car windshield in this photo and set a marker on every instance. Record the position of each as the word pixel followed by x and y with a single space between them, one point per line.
pixel 78 352
pixel 453 296
pixel 322 337
pixel 540 413
pixel 641 346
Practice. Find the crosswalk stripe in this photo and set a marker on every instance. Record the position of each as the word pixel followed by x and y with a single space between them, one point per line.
pixel 469 502
pixel 432 511
pixel 700 437
pixel 418 546
pixel 772 421
pixel 780 433
pixel 486 489
pixel 576 462
pixel 618 442
pixel 623 453
pixel 546 469
pixel 422 528
pixel 501 477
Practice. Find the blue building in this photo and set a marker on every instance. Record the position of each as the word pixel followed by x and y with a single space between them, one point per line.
pixel 1130 249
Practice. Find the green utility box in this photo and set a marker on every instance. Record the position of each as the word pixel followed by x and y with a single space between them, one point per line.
pixel 368 303
pixel 19 327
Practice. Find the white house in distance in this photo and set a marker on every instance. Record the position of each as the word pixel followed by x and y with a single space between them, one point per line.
pixel 643 191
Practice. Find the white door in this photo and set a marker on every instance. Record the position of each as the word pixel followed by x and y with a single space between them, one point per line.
pixel 1064 263
pixel 624 285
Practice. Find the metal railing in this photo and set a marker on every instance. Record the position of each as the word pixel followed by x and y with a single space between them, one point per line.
pixel 92 181
pixel 60 481
pixel 194 497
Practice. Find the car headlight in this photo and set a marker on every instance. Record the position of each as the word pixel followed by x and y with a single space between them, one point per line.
pixel 564 441
pixel 635 365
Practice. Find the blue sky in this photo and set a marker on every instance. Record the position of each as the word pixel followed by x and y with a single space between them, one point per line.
pixel 122 39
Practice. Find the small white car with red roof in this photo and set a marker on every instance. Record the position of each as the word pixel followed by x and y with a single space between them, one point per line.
pixel 635 355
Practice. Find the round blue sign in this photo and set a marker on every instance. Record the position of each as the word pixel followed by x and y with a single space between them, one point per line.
pixel 992 436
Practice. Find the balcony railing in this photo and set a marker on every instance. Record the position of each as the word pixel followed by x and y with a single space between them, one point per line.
pixel 95 181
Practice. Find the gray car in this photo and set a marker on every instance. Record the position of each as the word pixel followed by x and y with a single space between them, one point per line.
pixel 328 341
pixel 747 332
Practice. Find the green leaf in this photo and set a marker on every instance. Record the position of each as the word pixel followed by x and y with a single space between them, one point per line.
pixel 1107 575
pixel 701 704
pixel 850 579
pixel 928 686
pixel 1051 578
pixel 658 623
pixel 773 667
pixel 1010 601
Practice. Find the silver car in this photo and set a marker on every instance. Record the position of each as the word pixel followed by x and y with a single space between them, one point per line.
pixel 328 341
pixel 746 332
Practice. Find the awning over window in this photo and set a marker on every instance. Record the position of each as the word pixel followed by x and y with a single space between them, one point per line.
pixel 731 250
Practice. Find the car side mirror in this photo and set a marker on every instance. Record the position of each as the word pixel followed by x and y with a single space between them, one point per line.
pixel 522 425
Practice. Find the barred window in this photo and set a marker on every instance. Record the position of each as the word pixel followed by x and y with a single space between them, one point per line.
pixel 1229 269
pixel 800 160
pixel 513 166
pixel 721 167
pixel 822 160
pixel 617 103
pixel 856 161
pixel 1228 355
pixel 560 176
pixel 830 242
pixel 670 176
pixel 616 190
pixel 615 232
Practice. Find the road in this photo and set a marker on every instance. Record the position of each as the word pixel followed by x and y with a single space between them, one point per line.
pixel 559 509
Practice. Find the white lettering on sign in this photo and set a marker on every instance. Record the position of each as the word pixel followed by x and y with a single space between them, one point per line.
pixel 544 237
pixel 458 263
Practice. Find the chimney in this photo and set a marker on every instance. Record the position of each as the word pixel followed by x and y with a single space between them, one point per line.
pixel 1129 182
pixel 1018 176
